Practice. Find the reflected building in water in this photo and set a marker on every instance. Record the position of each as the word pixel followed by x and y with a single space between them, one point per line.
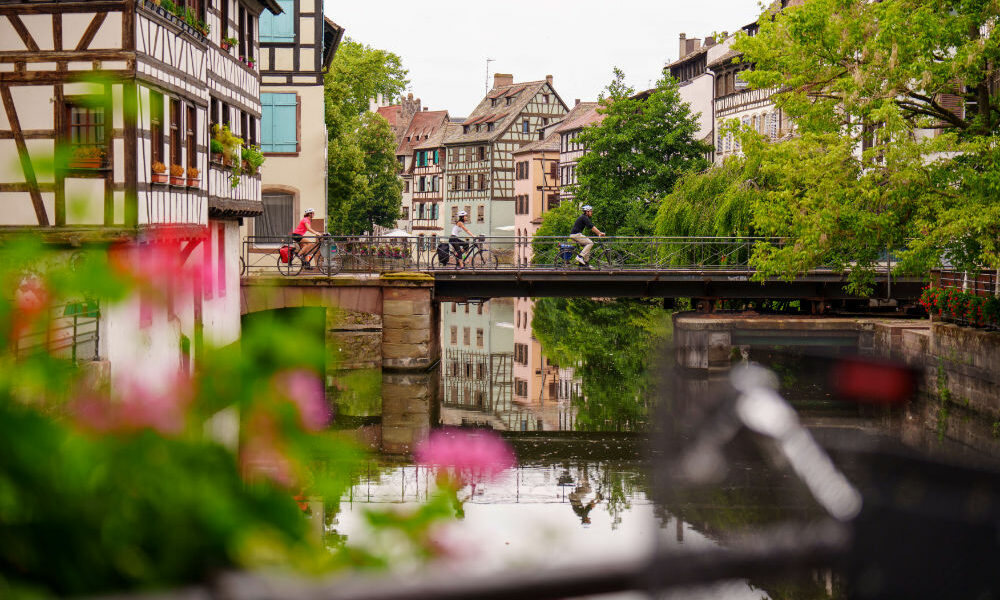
pixel 494 373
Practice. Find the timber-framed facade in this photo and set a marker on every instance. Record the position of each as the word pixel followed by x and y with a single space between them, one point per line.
pixel 479 171
pixel 120 98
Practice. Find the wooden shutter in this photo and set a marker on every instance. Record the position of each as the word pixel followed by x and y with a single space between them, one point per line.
pixel 278 28
pixel 279 129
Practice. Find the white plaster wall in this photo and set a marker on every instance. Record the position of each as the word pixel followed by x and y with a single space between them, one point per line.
pixel 150 355
pixel 307 171
pixel 18 210
pixel 84 201
pixel 699 94
pixel 221 314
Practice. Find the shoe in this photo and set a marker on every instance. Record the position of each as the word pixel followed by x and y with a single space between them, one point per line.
pixel 307 267
pixel 590 266
pixel 581 262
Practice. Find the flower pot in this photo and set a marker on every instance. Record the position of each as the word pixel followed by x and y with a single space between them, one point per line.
pixel 181 181
pixel 160 178
pixel 225 46
pixel 194 182
pixel 85 163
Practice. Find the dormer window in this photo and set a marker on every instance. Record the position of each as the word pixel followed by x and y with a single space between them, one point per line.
pixel 465 129
pixel 545 98
pixel 493 102
pixel 489 127
pixel 508 101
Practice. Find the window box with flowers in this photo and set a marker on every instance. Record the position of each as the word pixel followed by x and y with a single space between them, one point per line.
pixel 961 308
pixel 216 151
pixel 193 179
pixel 160 173
pixel 177 175
pixel 87 157
pixel 229 42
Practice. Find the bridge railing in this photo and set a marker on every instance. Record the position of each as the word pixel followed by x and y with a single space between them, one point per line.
pixel 378 254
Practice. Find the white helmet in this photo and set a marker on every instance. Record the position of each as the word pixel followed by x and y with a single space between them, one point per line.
pixel 309 210
pixel 587 207
pixel 462 213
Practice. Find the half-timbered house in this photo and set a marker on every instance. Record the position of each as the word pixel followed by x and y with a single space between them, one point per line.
pixel 570 150
pixel 536 186
pixel 479 171
pixel 423 146
pixel 297 47
pixel 123 95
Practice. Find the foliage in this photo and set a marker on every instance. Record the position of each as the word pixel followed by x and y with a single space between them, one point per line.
pixel 254 158
pixel 711 203
pixel 608 343
pixel 635 155
pixel 861 81
pixel 159 167
pixel 363 189
pixel 117 486
pixel 192 173
pixel 964 307
pixel 231 143
pixel 176 171
pixel 215 146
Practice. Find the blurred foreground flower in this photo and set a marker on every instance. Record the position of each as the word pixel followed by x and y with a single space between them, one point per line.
pixel 305 389
pixel 136 405
pixel 468 457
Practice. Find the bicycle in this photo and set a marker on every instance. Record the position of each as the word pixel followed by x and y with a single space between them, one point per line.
pixel 327 259
pixel 475 255
pixel 602 254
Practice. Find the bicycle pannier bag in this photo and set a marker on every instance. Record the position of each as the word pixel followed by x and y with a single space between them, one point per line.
pixel 566 251
pixel 443 251
pixel 285 253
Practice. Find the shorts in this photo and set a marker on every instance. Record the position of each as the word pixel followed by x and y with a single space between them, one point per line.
pixel 459 245
pixel 297 238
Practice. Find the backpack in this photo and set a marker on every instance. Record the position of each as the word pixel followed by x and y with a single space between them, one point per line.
pixel 443 251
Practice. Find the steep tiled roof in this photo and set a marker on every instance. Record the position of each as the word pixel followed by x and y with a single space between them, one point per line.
pixel 502 115
pixel 581 115
pixel 689 56
pixel 422 127
pixel 549 144
pixel 391 113
pixel 437 138
pixel 724 59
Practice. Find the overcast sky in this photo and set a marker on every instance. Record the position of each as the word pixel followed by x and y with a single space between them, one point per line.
pixel 445 43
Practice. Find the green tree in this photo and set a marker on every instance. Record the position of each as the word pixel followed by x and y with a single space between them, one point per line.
pixel 644 143
pixel 864 82
pixel 363 188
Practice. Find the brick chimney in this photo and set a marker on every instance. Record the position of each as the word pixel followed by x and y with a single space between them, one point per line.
pixel 548 80
pixel 502 79
pixel 577 102
pixel 709 41
pixel 683 46
pixel 692 45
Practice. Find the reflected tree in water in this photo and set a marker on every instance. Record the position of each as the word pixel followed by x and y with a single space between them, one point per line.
pixel 610 344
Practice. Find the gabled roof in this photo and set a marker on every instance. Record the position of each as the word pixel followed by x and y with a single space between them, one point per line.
pixel 724 59
pixel 583 114
pixel 390 113
pixel 422 127
pixel 549 144
pixel 332 34
pixel 502 115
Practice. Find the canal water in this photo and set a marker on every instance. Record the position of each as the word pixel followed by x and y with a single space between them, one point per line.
pixel 575 386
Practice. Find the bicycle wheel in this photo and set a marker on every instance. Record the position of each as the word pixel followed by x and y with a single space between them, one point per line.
pixel 484 259
pixel 612 259
pixel 292 267
pixel 331 265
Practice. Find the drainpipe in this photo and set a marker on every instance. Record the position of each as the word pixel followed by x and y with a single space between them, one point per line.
pixel 711 73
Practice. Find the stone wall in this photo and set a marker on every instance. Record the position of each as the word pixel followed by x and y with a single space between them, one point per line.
pixel 409 328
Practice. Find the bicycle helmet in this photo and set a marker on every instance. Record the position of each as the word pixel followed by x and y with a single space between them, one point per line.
pixel 309 210
pixel 587 207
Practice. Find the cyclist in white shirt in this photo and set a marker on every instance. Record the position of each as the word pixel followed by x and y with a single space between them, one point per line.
pixel 459 245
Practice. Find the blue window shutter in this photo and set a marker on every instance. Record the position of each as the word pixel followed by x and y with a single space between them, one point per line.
pixel 278 126
pixel 278 28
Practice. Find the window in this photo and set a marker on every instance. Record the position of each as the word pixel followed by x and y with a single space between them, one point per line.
pixel 406 212
pixel 278 29
pixel 545 98
pixel 279 122
pixel 156 126
pixel 525 125
pixel 225 18
pixel 175 132
pixel 479 337
pixel 249 35
pixel 454 213
pixel 422 187
pixel 406 186
pixel 521 170
pixel 482 181
pixel 278 217
pixel 192 137
pixel 468 211
pixel 554 170
pixel 465 332
pixel 454 329
pixel 225 114
pixel 481 153
pixel 252 123
pixel 242 30
pixel 553 201
pixel 480 214
pixel 465 129
pixel 489 127
pixel 468 182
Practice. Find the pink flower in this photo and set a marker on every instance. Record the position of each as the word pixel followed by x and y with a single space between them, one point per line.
pixel 305 390
pixel 468 456
pixel 30 301
pixel 169 261
pixel 136 406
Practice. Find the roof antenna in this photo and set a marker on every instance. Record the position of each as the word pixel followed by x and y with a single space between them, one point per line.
pixel 488 61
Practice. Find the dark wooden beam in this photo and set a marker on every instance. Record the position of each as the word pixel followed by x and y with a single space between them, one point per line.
pixel 58 116
pixel 22 151
pixel 54 77
pixel 30 134
pixel 22 31
pixel 24 187
pixel 88 35
pixel 57 38
pixel 130 100
pixel 52 8
pixel 67 55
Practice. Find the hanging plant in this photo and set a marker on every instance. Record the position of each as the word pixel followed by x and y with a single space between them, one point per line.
pixel 254 159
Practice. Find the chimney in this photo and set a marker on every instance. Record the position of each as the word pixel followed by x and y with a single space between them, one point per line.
pixel 693 45
pixel 710 41
pixel 577 102
pixel 683 50
pixel 548 80
pixel 502 79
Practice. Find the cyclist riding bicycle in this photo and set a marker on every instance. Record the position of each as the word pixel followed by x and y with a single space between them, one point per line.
pixel 583 223
pixel 305 226
pixel 459 245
